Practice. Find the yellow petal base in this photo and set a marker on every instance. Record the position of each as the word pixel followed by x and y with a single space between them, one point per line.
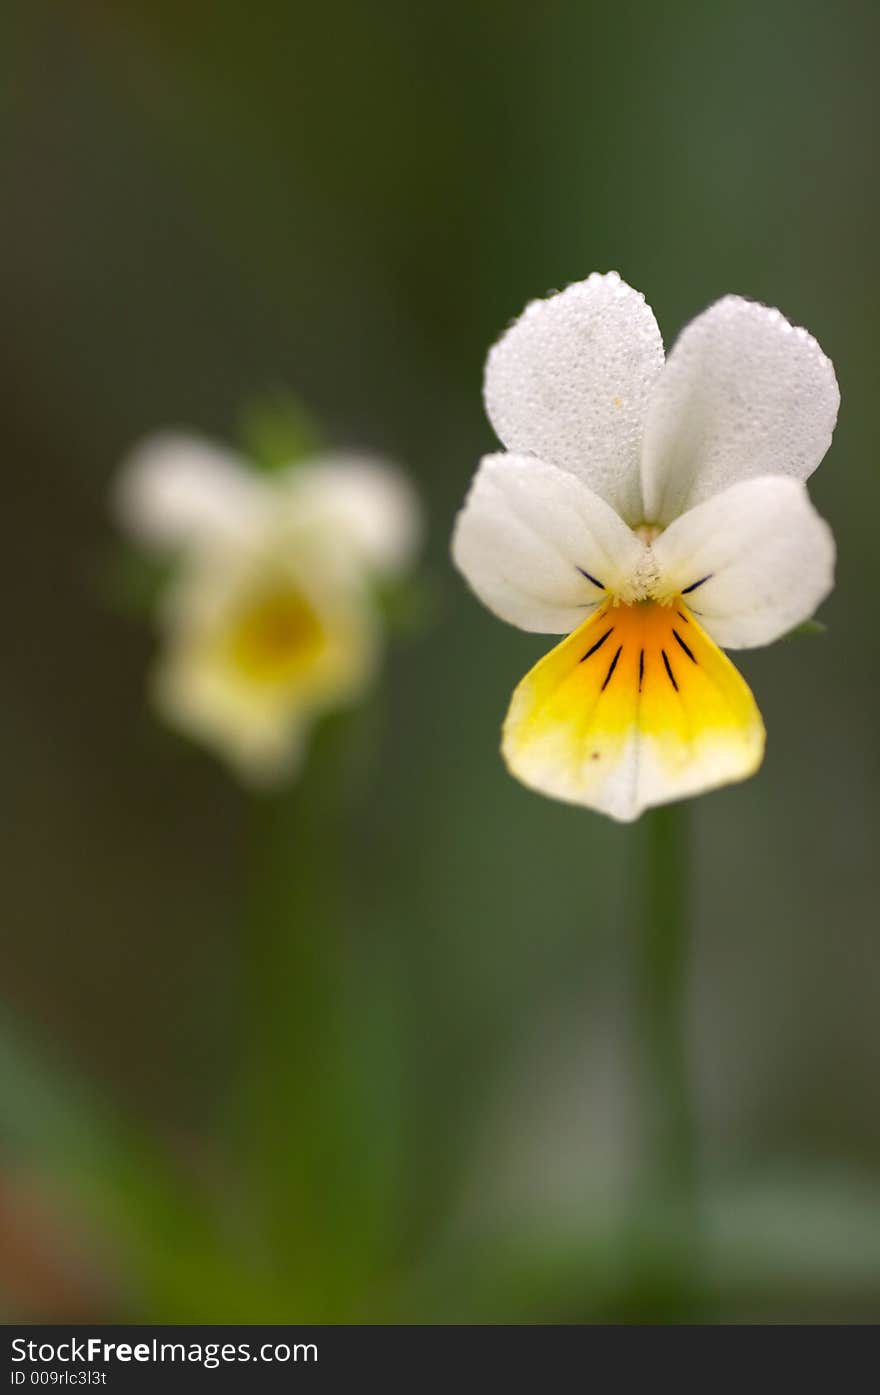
pixel 635 708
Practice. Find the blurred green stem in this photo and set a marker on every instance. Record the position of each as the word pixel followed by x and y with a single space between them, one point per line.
pixel 299 1053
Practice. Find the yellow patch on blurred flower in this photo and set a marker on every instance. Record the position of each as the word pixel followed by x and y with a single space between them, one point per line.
pixel 651 509
pixel 269 618
pixel 276 637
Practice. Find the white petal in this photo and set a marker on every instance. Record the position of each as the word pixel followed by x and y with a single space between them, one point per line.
pixel 174 489
pixel 537 546
pixel 767 556
pixel 570 382
pixel 367 504
pixel 743 393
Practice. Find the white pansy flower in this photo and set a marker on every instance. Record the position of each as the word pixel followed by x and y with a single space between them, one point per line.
pixel 268 618
pixel 651 510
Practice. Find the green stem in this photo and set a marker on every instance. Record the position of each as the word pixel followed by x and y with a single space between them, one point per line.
pixel 663 965
pixel 665 1278
pixel 303 1161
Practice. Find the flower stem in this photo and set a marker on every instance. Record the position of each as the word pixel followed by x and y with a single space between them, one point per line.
pixel 299 1090
pixel 665 1281
pixel 663 964
pixel 293 935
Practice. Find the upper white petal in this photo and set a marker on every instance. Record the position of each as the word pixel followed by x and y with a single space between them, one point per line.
pixel 570 382
pixel 364 504
pixel 526 535
pixel 767 554
pixel 174 489
pixel 743 393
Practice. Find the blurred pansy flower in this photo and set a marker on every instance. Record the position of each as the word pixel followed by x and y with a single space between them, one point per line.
pixel 651 510
pixel 269 616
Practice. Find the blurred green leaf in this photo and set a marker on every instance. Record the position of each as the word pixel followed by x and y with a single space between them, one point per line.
pixel 277 431
pixel 118 1181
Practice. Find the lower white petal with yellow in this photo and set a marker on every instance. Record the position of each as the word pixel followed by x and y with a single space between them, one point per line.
pixel 261 740
pixel 635 708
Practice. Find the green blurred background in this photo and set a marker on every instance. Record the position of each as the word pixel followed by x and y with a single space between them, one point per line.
pixel 203 202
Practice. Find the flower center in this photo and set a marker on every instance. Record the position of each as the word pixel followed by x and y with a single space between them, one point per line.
pixel 643 583
pixel 275 636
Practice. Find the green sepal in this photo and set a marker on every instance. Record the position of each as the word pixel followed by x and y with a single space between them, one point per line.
pixel 807 627
pixel 131 580
pixel 409 606
pixel 277 431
